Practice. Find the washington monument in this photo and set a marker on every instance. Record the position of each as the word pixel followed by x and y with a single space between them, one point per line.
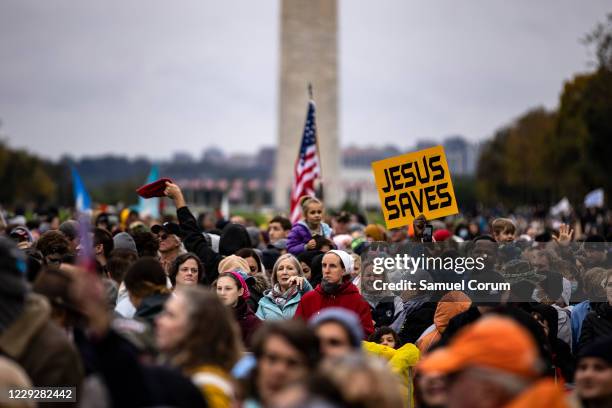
pixel 309 54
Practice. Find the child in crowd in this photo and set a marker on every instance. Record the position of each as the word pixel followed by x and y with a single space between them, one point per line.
pixel 504 230
pixel 386 336
pixel 303 234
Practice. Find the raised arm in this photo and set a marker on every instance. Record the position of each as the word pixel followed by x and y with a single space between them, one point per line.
pixel 193 238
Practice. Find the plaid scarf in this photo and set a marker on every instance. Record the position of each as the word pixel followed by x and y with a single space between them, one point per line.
pixel 281 298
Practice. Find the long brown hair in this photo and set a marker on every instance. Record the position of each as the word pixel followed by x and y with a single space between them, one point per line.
pixel 212 336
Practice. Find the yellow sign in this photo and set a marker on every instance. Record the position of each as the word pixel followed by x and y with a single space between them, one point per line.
pixel 413 184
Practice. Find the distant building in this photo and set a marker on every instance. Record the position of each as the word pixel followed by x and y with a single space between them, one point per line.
pixel 266 156
pixel 425 144
pixel 461 156
pixel 353 156
pixel 213 155
pixel 182 157
pixel 358 186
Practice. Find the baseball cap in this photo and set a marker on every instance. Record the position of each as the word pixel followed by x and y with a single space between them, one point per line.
pixel 169 227
pixel 494 342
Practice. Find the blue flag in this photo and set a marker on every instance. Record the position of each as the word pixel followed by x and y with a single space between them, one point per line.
pixel 82 202
pixel 150 206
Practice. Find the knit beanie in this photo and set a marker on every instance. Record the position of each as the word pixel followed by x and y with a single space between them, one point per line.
pixel 346 318
pixel 123 240
pixel 346 259
pixel 12 282
pixel 70 229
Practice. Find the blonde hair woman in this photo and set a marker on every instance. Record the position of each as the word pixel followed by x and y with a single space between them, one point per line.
pixel 288 286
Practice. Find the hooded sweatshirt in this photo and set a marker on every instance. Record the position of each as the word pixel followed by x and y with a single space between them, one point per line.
pixel 449 306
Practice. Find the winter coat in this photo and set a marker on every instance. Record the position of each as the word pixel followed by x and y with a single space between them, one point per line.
pixel 597 324
pixel 215 384
pixel 447 309
pixel 195 242
pixel 41 348
pixel 416 322
pixel 300 235
pixel 233 238
pixel 247 321
pixel 561 355
pixel 131 383
pixel 269 310
pixel 347 297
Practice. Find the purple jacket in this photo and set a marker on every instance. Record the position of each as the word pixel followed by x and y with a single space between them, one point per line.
pixel 300 235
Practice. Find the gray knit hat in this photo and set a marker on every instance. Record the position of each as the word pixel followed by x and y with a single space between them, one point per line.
pixel 123 240
pixel 70 229
pixel 346 318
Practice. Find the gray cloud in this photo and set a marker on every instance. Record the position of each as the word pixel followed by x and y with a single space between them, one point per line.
pixel 154 77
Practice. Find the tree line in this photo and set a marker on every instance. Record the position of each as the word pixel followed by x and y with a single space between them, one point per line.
pixel 546 155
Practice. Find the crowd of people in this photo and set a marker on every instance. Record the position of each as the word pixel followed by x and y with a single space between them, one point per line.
pixel 198 311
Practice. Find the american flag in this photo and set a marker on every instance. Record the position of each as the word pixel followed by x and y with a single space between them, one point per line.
pixel 307 167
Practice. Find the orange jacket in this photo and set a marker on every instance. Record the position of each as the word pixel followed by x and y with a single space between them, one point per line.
pixel 450 305
pixel 542 393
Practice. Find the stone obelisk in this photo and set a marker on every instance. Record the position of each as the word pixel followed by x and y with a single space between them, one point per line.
pixel 309 54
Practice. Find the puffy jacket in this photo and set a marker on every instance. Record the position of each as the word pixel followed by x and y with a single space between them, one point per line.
pixel 41 348
pixel 449 306
pixel 347 297
pixel 269 310
pixel 300 235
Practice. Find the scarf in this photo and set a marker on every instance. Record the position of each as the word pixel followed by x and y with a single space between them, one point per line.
pixel 334 288
pixel 281 298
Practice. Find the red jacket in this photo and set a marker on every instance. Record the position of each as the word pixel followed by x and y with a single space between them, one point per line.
pixel 347 297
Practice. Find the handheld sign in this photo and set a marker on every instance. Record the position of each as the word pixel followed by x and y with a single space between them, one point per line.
pixel 413 184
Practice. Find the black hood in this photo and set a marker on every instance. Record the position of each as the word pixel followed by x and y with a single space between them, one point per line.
pixel 233 238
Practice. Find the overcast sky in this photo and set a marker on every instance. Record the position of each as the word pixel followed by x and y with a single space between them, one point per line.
pixel 153 77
